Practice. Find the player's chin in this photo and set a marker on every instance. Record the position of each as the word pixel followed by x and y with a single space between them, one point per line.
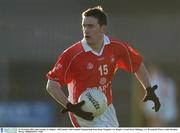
pixel 89 41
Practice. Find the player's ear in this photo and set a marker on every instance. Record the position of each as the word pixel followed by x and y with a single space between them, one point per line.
pixel 103 28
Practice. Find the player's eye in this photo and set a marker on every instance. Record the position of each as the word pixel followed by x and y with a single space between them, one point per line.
pixel 87 26
pixel 90 25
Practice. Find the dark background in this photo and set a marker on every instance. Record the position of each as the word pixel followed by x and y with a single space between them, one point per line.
pixel 34 32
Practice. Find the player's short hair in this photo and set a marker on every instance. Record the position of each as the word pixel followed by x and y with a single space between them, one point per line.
pixel 98 13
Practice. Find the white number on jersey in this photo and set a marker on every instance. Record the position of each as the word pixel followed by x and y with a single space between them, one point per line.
pixel 103 69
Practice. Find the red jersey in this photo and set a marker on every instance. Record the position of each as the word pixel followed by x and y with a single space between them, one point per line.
pixel 80 67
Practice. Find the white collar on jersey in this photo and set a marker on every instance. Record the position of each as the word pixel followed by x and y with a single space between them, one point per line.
pixel 88 48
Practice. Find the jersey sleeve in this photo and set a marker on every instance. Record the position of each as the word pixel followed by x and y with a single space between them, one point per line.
pixel 61 71
pixel 128 58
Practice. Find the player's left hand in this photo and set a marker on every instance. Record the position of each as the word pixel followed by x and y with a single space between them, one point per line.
pixel 76 109
pixel 150 95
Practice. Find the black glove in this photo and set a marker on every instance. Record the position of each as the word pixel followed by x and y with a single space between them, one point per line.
pixel 76 109
pixel 150 95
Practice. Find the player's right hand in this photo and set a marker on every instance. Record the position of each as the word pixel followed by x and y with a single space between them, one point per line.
pixel 76 109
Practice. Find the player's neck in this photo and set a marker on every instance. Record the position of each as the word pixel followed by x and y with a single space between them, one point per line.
pixel 97 46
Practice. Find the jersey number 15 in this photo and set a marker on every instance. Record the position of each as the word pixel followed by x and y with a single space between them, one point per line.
pixel 103 69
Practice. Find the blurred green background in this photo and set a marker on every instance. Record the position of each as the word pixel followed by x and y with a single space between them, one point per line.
pixel 34 32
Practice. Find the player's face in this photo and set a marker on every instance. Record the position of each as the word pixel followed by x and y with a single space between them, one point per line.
pixel 92 31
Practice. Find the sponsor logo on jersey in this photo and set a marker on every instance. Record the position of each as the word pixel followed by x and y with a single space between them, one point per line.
pixel 90 66
pixel 102 81
pixel 104 87
pixel 112 59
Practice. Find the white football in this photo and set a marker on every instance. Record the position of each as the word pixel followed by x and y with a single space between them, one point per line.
pixel 95 101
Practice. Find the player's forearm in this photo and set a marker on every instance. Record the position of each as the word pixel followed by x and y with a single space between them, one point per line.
pixel 143 76
pixel 56 92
